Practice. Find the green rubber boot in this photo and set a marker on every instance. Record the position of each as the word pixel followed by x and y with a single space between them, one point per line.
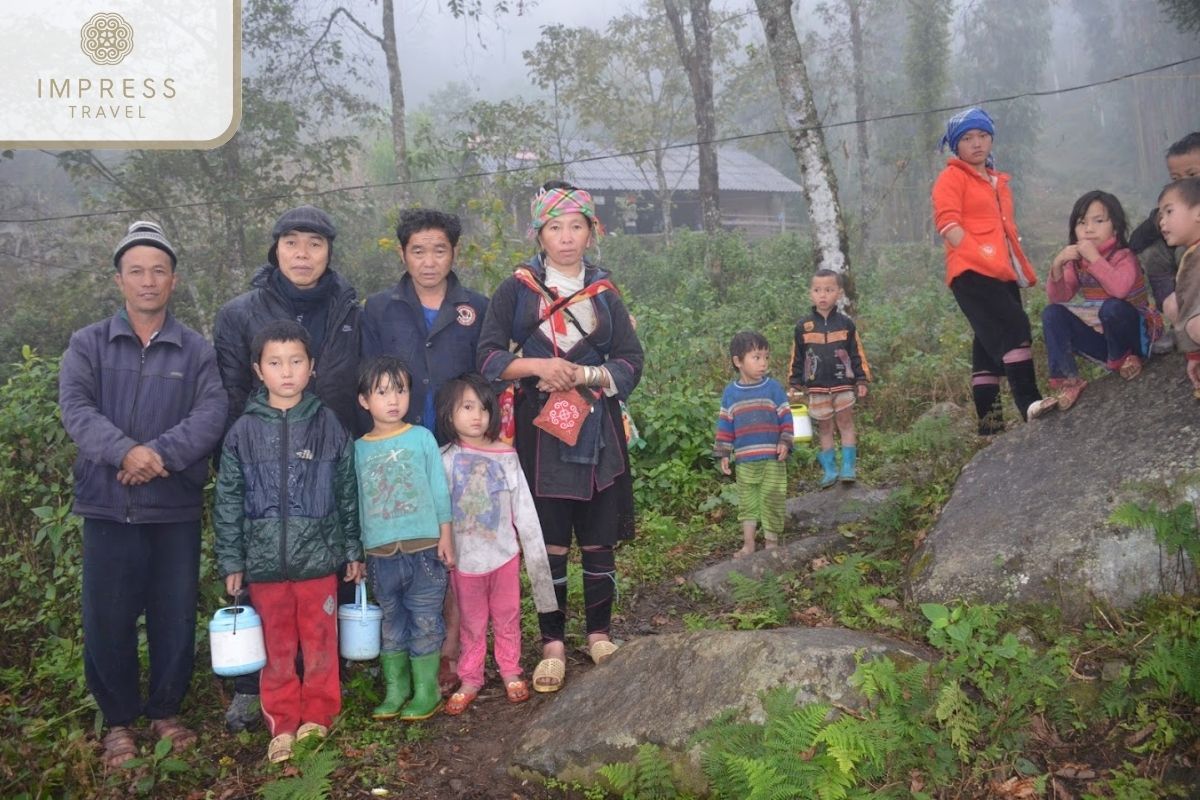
pixel 828 461
pixel 849 456
pixel 397 677
pixel 427 698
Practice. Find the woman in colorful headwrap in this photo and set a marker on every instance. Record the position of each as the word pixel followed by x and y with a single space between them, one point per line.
pixel 986 269
pixel 558 324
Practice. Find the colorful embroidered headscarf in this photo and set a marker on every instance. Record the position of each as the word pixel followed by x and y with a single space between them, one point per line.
pixel 973 119
pixel 553 203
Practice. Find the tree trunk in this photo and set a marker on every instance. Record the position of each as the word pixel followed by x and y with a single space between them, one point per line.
pixel 696 57
pixel 860 113
pixel 396 88
pixel 664 194
pixel 806 138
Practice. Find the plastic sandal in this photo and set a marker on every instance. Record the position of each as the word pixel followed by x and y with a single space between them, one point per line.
pixel 601 650
pixel 119 746
pixel 311 729
pixel 548 675
pixel 280 748
pixel 517 691
pixel 1131 367
pixel 171 728
pixel 459 701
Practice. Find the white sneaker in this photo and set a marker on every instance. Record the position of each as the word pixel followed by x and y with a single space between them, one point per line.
pixel 1039 407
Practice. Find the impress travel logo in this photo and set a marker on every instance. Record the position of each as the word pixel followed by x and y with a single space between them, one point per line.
pixel 128 74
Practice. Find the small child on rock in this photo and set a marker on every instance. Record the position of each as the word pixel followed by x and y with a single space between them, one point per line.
pixel 829 362
pixel 1179 221
pixel 754 429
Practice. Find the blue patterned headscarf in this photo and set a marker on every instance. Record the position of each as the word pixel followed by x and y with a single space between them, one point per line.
pixel 972 119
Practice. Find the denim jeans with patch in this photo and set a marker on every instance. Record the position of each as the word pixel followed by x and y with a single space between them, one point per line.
pixel 410 588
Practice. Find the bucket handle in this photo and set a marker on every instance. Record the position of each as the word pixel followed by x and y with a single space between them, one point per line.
pixel 237 605
pixel 360 599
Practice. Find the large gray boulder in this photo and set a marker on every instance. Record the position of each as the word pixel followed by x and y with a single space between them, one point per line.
pixel 823 511
pixel 663 689
pixel 1028 518
pixel 792 555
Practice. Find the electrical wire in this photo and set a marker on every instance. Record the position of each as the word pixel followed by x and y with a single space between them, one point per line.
pixel 628 153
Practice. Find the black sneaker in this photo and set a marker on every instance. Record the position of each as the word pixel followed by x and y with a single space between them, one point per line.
pixel 244 713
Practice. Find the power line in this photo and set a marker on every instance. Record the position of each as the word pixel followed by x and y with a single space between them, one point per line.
pixel 586 159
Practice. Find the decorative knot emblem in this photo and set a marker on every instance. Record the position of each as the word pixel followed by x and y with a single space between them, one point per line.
pixel 564 415
pixel 106 39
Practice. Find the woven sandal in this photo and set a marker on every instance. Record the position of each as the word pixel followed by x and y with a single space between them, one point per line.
pixel 548 675
pixel 311 729
pixel 181 736
pixel 280 748
pixel 119 746
pixel 517 690
pixel 601 650
pixel 1131 367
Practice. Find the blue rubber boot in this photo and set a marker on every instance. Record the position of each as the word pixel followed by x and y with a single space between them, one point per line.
pixel 849 456
pixel 827 459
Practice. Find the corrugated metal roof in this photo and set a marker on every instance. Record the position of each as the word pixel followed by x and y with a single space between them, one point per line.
pixel 739 171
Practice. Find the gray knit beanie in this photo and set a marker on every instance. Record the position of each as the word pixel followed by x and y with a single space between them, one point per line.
pixel 144 232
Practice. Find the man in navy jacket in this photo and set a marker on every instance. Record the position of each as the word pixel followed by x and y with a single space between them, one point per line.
pixel 431 322
pixel 141 397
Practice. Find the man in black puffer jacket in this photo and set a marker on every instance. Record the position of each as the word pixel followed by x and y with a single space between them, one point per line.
pixel 298 284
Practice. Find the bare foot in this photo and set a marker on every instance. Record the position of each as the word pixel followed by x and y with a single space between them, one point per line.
pixel 554 650
pixel 771 544
pixel 743 553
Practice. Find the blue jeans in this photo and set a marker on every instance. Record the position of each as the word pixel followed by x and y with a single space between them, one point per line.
pixel 1066 335
pixel 410 588
pixel 129 570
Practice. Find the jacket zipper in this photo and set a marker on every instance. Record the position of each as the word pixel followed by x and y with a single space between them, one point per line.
pixel 133 416
pixel 283 496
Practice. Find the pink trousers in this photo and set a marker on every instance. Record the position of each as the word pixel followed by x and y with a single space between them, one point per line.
pixel 495 596
pixel 304 614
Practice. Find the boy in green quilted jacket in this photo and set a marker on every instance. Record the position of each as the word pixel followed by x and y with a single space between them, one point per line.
pixel 286 517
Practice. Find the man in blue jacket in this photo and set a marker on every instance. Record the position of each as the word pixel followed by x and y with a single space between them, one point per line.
pixel 431 322
pixel 141 397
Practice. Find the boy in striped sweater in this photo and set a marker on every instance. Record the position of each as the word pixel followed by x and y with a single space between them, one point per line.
pixel 754 429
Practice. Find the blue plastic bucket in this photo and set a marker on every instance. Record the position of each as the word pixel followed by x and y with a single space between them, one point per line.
pixel 235 639
pixel 360 627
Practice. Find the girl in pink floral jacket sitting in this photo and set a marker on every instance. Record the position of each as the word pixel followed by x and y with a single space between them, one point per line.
pixel 1099 305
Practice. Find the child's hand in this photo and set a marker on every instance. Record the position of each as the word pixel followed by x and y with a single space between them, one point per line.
pixel 233 583
pixel 1088 251
pixel 782 451
pixel 446 553
pixel 355 571
pixel 795 394
pixel 862 391
pixel 725 466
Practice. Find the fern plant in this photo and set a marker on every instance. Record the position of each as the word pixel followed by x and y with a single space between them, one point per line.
pixel 648 777
pixel 313 783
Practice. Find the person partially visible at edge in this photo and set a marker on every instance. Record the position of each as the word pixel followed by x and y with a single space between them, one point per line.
pixel 986 269
pixel 299 284
pixel 569 329
pixel 285 518
pixel 1112 322
pixel 1159 261
pixel 141 397
pixel 1179 220
pixel 431 322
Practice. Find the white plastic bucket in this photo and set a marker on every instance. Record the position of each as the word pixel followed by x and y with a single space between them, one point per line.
pixel 360 627
pixel 801 424
pixel 235 638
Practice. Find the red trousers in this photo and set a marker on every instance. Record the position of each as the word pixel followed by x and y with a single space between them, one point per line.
pixel 302 613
